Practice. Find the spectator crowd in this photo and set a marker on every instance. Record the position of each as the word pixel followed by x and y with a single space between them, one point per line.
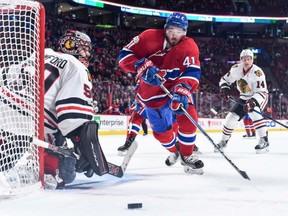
pixel 217 55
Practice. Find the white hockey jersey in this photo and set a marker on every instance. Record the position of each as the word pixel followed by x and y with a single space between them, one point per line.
pixel 251 83
pixel 68 96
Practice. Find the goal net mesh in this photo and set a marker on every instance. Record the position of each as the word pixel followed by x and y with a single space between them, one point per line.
pixel 20 94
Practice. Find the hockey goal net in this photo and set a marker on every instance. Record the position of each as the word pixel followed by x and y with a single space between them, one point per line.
pixel 22 26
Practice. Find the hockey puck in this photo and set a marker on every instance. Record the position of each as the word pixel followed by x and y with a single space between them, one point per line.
pixel 134 205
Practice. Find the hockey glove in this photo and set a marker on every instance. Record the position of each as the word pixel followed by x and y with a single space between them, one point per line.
pixel 146 69
pixel 181 98
pixel 137 106
pixel 150 78
pixel 250 105
pixel 225 91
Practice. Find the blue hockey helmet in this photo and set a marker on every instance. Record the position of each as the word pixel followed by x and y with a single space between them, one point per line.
pixel 177 20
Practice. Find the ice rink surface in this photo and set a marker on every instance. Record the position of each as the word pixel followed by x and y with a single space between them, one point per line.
pixel 220 191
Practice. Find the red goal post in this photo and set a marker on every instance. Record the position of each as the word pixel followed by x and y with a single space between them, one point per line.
pixel 22 43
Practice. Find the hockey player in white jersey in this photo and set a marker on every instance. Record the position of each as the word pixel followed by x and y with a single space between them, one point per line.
pixel 251 84
pixel 69 111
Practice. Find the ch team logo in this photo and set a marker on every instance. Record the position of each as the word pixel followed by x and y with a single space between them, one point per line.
pixel 69 44
pixel 243 86
pixel 258 73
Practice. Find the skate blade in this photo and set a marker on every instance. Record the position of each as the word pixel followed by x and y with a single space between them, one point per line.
pixel 189 170
pixel 262 151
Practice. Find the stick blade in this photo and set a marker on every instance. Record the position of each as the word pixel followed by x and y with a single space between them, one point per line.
pixel 119 171
pixel 244 175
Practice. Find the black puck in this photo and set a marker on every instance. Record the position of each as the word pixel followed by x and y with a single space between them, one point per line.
pixel 134 205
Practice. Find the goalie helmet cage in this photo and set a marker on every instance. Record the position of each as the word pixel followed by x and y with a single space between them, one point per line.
pixel 22 32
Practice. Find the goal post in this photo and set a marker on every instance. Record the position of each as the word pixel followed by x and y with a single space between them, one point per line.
pixel 22 43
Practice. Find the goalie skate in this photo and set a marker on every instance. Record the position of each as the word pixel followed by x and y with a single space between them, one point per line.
pixel 192 164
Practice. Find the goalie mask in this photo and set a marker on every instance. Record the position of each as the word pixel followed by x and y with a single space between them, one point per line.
pixel 78 44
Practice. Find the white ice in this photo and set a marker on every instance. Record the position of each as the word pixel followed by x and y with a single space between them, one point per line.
pixel 220 191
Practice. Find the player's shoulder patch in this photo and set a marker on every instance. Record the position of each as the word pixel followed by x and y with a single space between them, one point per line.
pixel 235 66
pixel 258 73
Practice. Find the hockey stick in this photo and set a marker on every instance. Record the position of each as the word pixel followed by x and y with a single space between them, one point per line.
pixel 235 101
pixel 115 170
pixel 242 173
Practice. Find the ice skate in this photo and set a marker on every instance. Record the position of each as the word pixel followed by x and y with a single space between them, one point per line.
pixel 123 149
pixel 192 164
pixel 172 158
pixel 246 135
pixel 262 146
pixel 222 144
pixel 250 136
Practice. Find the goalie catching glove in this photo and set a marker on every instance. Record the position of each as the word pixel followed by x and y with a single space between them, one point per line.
pixel 181 98
pixel 146 69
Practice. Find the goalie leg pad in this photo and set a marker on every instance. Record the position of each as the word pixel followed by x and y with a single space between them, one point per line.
pixel 91 150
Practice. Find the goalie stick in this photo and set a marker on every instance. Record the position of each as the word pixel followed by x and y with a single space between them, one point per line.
pixel 242 173
pixel 114 170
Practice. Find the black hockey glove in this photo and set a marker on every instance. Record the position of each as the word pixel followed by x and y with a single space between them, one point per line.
pixel 250 105
pixel 225 92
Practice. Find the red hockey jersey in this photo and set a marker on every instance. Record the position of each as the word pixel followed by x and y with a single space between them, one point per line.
pixel 179 64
